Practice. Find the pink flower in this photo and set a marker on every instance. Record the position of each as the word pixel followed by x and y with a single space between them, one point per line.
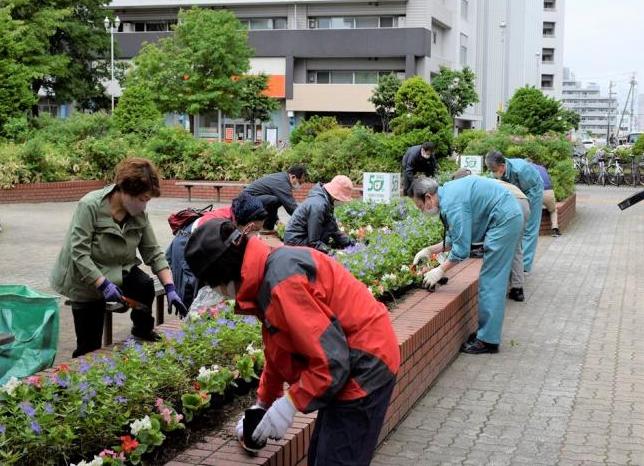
pixel 34 380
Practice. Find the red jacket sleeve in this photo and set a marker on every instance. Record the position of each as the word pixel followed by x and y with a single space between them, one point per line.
pixel 271 384
pixel 317 336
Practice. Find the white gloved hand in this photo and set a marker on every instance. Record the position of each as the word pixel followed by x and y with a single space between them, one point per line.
pixel 276 421
pixel 239 428
pixel 424 253
pixel 432 277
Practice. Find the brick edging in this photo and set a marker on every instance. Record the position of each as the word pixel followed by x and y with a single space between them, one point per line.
pixel 566 211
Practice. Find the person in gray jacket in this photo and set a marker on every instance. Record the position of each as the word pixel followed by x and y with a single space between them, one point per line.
pixel 276 190
pixel 313 223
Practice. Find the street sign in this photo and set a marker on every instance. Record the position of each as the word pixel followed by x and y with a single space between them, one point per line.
pixel 380 187
pixel 474 163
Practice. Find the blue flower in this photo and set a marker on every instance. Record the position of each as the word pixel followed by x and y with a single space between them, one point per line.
pixel 36 427
pixel 83 386
pixel 214 342
pixel 60 382
pixel 26 408
pixel 89 395
pixel 212 331
pixel 120 399
pixel 159 354
pixel 231 324
pixel 3 428
pixel 119 378
pixel 250 319
pixel 107 380
pixel 49 409
pixel 84 367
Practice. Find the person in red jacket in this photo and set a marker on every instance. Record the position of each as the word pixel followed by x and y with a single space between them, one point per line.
pixel 324 334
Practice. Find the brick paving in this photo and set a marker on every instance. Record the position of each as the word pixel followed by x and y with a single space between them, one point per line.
pixel 567 387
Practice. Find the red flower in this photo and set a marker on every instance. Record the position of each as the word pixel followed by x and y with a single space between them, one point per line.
pixel 203 395
pixel 196 385
pixel 128 444
pixel 186 77
pixel 63 369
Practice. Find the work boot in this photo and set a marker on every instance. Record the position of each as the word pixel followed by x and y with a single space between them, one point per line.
pixel 149 336
pixel 516 294
pixel 556 233
pixel 479 347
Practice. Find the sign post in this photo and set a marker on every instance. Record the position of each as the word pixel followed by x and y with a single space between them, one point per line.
pixel 474 163
pixel 380 187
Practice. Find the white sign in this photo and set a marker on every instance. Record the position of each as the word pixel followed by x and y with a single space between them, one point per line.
pixel 474 163
pixel 380 187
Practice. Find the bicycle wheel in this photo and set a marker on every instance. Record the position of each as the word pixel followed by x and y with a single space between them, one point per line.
pixel 614 175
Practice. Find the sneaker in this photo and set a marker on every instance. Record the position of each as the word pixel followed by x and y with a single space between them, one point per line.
pixel 479 347
pixel 516 294
pixel 556 233
pixel 149 336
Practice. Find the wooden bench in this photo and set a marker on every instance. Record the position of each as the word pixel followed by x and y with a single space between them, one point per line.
pixel 216 185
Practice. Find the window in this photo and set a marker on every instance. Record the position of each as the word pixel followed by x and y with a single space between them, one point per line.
pixel 463 50
pixel 547 81
pixel 350 77
pixel 548 29
pixel 464 7
pixel 434 35
pixel 366 77
pixel 549 4
pixel 366 22
pixel 354 22
pixel 547 55
pixel 388 21
pixel 154 27
pixel 147 26
pixel 260 24
pixel 341 77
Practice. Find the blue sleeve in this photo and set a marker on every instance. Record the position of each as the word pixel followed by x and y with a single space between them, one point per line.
pixel 459 220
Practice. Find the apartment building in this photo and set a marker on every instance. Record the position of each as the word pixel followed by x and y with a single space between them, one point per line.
pixel 322 57
pixel 594 109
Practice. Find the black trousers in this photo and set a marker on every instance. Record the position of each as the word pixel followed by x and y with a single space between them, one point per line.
pixel 89 316
pixel 346 433
pixel 271 205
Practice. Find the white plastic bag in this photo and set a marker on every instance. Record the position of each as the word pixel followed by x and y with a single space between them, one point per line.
pixel 206 297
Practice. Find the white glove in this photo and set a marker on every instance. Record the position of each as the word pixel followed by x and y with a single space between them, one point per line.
pixel 424 253
pixel 239 428
pixel 432 277
pixel 276 421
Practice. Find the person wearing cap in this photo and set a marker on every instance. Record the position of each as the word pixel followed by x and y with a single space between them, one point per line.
pixel 98 262
pixel 549 199
pixel 517 275
pixel 323 332
pixel 474 209
pixel 246 212
pixel 525 177
pixel 417 159
pixel 313 223
pixel 276 190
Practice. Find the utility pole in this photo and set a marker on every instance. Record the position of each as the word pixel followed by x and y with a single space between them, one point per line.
pixel 610 110
pixel 631 96
pixel 633 84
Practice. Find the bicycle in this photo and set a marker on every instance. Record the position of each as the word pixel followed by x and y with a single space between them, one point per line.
pixel 601 177
pixel 583 169
pixel 615 172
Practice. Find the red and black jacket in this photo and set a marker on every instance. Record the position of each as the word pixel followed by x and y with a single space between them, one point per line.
pixel 323 331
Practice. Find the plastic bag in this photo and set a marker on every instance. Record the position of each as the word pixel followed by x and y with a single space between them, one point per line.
pixel 33 319
pixel 206 297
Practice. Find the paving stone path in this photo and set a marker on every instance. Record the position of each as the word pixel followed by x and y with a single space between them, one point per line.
pixel 567 387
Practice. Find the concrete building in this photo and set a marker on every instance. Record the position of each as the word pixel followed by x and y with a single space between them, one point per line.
pixel 519 43
pixel 594 109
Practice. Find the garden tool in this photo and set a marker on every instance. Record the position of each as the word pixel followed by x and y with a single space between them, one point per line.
pixel 134 304
pixel 634 199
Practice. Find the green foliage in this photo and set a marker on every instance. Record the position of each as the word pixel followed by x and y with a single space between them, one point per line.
pixel 14 169
pixel 255 105
pixel 172 148
pixel 307 130
pixel 384 98
pixel 563 175
pixel 638 147
pixel 539 114
pixel 465 137
pixel 456 89
pixel 421 116
pixel 195 69
pixel 136 111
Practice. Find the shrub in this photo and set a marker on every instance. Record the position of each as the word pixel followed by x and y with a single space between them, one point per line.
pixel 309 129
pixel 44 161
pixel 171 148
pixel 638 147
pixel 463 139
pixel 137 112
pixel 14 169
pixel 563 176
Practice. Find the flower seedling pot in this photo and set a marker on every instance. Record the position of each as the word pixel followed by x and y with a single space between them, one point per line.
pixel 252 417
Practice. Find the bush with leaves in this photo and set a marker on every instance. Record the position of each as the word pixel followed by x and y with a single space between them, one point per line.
pixel 308 129
pixel 538 113
pixel 465 137
pixel 136 111
pixel 384 98
pixel 638 147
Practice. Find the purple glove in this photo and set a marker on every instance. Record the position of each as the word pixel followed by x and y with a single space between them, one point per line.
pixel 111 292
pixel 174 300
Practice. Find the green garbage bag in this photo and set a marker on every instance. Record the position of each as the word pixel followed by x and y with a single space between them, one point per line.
pixel 32 318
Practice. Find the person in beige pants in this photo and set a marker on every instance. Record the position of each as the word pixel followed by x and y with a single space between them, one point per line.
pixel 549 201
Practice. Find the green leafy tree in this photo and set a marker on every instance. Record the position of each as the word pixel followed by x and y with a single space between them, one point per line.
pixel 136 111
pixel 421 116
pixel 196 69
pixel 307 130
pixel 638 147
pixel 255 104
pixel 384 98
pixel 64 44
pixel 456 89
pixel 536 112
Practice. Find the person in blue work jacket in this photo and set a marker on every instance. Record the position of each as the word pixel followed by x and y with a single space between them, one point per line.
pixel 525 177
pixel 474 209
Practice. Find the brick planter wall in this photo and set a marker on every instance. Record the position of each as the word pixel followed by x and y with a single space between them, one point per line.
pixel 566 210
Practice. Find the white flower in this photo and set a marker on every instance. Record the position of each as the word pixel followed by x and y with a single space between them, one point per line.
pixel 250 349
pixel 342 228
pixel 389 276
pixel 206 373
pixel 193 316
pixel 370 290
pixel 140 425
pixel 97 461
pixel 404 268
pixel 369 229
pixel 11 386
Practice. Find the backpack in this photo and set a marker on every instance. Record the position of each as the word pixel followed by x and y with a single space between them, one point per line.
pixel 181 219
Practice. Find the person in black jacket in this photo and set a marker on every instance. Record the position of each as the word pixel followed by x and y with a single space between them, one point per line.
pixel 313 223
pixel 276 190
pixel 417 159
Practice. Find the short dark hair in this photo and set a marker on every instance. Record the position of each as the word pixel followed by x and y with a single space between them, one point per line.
pixel 493 159
pixel 428 146
pixel 298 171
pixel 136 176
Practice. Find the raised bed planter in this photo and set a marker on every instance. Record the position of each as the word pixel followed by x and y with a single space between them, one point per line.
pixel 566 210
pixel 430 328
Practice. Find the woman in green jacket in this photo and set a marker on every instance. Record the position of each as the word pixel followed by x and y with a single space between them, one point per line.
pixel 98 261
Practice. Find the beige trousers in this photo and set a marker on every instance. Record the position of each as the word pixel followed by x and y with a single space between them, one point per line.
pixel 550 203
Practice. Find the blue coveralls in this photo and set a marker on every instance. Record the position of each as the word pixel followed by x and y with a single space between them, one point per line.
pixel 477 209
pixel 525 177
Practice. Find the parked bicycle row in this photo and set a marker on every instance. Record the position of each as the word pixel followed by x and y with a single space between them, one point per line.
pixel 608 168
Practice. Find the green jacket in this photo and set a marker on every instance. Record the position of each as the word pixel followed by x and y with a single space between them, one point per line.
pixel 95 246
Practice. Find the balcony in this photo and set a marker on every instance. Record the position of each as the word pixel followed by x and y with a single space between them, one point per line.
pixel 331 98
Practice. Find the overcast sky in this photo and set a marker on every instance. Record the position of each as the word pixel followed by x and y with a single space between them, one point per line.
pixel 604 40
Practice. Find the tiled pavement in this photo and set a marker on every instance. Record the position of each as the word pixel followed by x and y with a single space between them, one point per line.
pixel 568 385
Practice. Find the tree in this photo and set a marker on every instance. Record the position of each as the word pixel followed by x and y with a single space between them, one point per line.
pixel 456 89
pixel 255 104
pixel 136 111
pixel 384 98
pixel 64 44
pixel 16 97
pixel 196 69
pixel 422 116
pixel 536 112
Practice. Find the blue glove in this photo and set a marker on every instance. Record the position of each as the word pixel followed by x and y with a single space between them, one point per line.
pixel 111 292
pixel 174 300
